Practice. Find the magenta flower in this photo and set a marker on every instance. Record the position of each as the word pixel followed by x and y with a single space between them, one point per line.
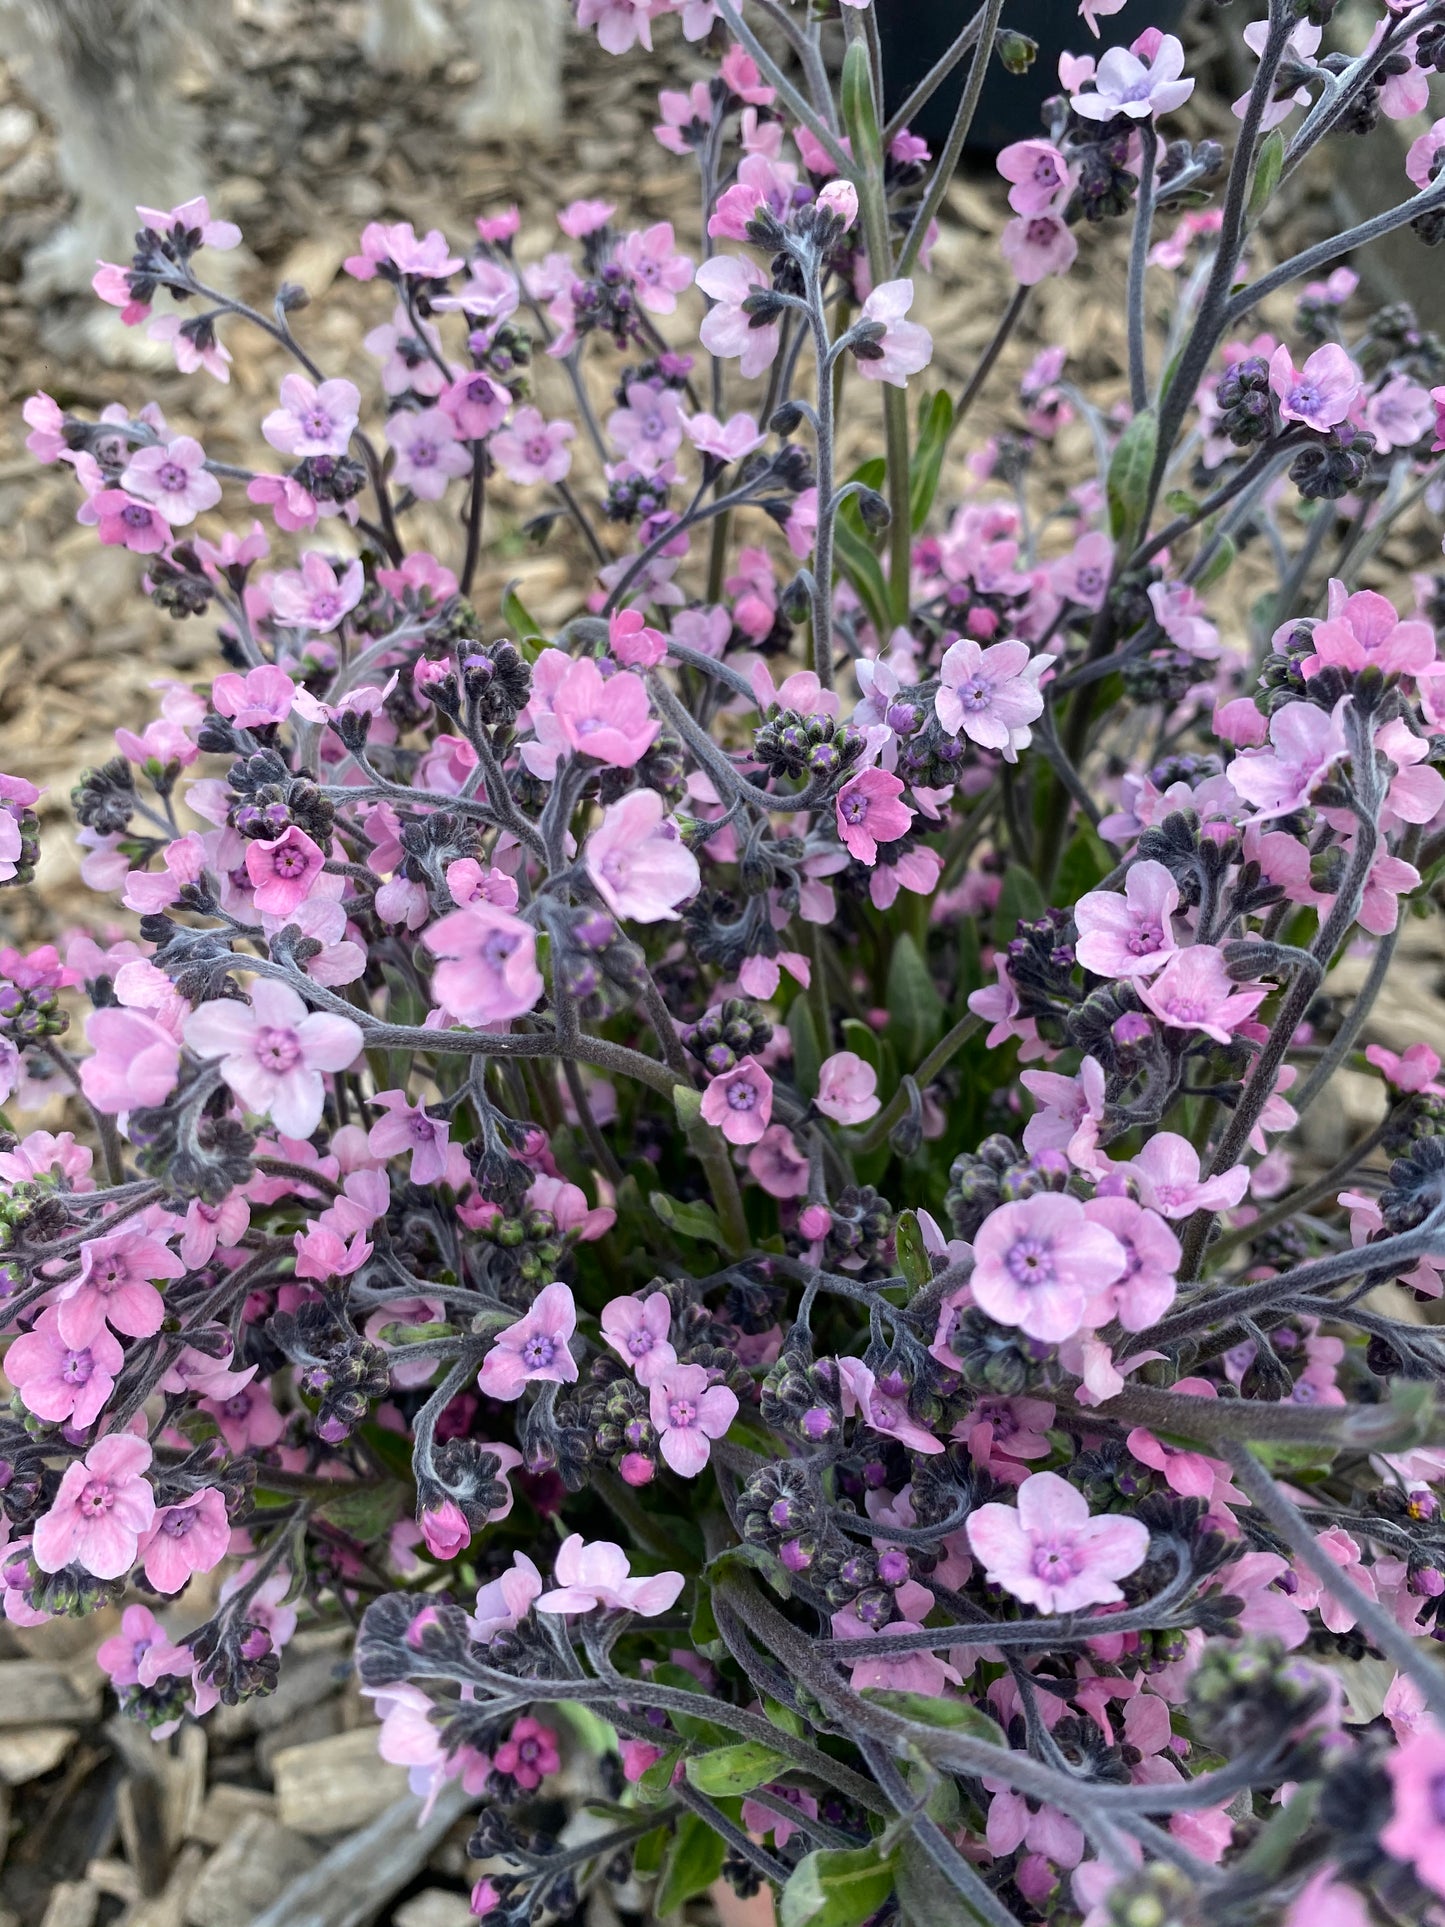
pixel 1126 84
pixel 904 348
pixel 638 1330
pixel 1322 393
pixel 533 450
pixel 63 1383
pixel 476 404
pixel 315 597
pixel 408 1128
pixel 1416 1832
pixel 175 478
pixel 136 1062
pixel 1038 1262
pixel 727 329
pixel 189 1537
pixel 489 970
pixel 313 419
pixel 534 1349
pixel 883 1404
pixel 1049 1553
pixel 283 871
pixel 1362 630
pixel 603 717
pixel 740 1102
pixel 869 813
pixel 1130 935
pixel 991 695
pixel 1037 170
pixel 847 1088
pixel 528 1754
pixel 101 1512
pixel 687 1413
pixel 652 263
pixel 1194 992
pixel 599 1575
pixel 428 454
pixel 1038 245
pixel 123 521
pixel 273 1052
pixel 114 1287
pixel 637 860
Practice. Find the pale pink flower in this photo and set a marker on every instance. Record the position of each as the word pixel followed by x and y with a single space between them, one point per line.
pixel 208 1226
pixel 656 269
pixel 883 1404
pixel 194 217
pixel 991 695
pixel 114 1287
pixel 136 1062
pixel 687 1413
pixel 847 1088
pixel 649 429
pixel 428 454
pixel 727 330
pixel 599 1575
pixel 533 1349
pixel 63 1383
pixel 125 522
pixel 315 597
pixel 101 1512
pixel 1194 992
pixel 1071 1111
pixel 533 450
pixel 1416 1831
pixel 869 812
pixel 1306 744
pixel 604 717
pixel 1362 630
pixel 188 1537
pixel 489 970
pixel 1324 1901
pixel 641 867
pixel 638 1330
pixel 729 441
pixel 1126 84
pixel 1037 170
pixel 1130 935
pixel 778 1165
pixel 1168 1173
pixel 476 405
pixel 1050 1553
pixel 283 872
pixel 632 643
pixel 1038 1262
pixel 274 1052
pixel 740 1102
pixel 504 1603
pixel 1092 11
pixel 1038 245
pixel 175 478
pixel 407 1127
pixel 1344 1552
pixel 620 23
pixel 397 246
pixel 1413 1069
pixel 313 419
pixel 1322 393
pixel 904 348
pixel 1189 1473
pixel 1303 45
pixel 1399 414
pixel 1145 1290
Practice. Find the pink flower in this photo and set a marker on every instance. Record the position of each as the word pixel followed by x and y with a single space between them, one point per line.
pixel 904 348
pixel 315 597
pixel 194 217
pixel 1125 84
pixel 847 1088
pixel 273 1052
pixel 1039 1261
pixel 59 1382
pixel 1145 1289
pixel 136 1062
pixel 114 1287
pixel 599 1575
pixel 1322 393
pixel 263 695
pixel 652 263
pixel 1194 992
pixel 649 429
pixel 122 521
pixel 534 1349
pixel 1416 1832
pixel 869 813
pixel 529 1753
pixel 1186 1472
pixel 102 1510
pixel 1071 1110
pixel 175 478
pixel 604 717
pixel 1092 11
pixel 210 1225
pixel 1049 1552
pixel 1168 1172
pixel 1414 1069
pixel 189 1537
pixel 1130 935
pixel 476 404
pixel 428 454
pixel 727 329
pixel 729 441
pixel 632 643
pixel 1306 744
pixel 639 1332
pixel 489 973
pixel 687 1412
pixel 408 1128
pixel 1037 169
pixel 533 450
pixel 313 419
pixel 778 1165
pixel 284 871
pixel 1324 1901
pixel 991 695
pixel 1399 414
pixel 637 860
pixel 502 1604
pixel 740 1102
pixel 1038 245
pixel 398 247
pixel 620 23
pixel 1363 629
pixel 883 1404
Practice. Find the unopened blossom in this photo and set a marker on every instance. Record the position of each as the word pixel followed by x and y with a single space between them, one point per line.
pixel 727 330
pixel 103 1509
pixel 136 1061
pixel 638 1330
pixel 273 1051
pixel 991 695
pixel 534 1348
pixel 531 450
pixel 315 597
pixel 1129 935
pixel 869 812
pixel 314 418
pixel 1194 991
pixel 1126 84
pixel 1322 393
pixel 1048 1552
pixel 847 1088
pixel 600 1575
pixel 687 1414
pixel 740 1102
pixel 175 478
pixel 1039 1261
pixel 407 1127
pixel 904 348
pixel 186 1538
pixel 63 1383
pixel 488 973
pixel 638 861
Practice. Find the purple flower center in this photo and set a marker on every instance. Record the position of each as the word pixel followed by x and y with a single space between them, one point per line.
pixel 497 948
pixel 315 424
pixel 172 478
pixel 421 1128
pixel 1056 1561
pixel 76 1367
pixel 136 516
pixel 96 1499
pixel 176 1523
pixel 1143 939
pixel 976 693
pixel 277 1048
pixel 1031 1262
pixel 109 1276
pixel 1042 229
pixel 288 863
pixel 422 453
pixel 538 1351
pixel 325 607
pixel 538 450
pixel 640 1343
pixel 1437 1798
pixel 681 1413
pixel 1187 1010
pixel 742 1096
pixel 854 807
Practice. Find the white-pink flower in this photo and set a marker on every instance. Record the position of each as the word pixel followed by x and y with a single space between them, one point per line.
pixel 531 450
pixel 428 452
pixel 1194 991
pixel 314 418
pixel 1168 1172
pixel 173 476
pixel 315 597
pixel 847 1088
pixel 599 1575
pixel 537 1346
pixel 640 865
pixel 1130 935
pixel 1039 1261
pixel 904 348
pixel 101 1512
pixel 638 1330
pixel 688 1413
pixel 727 329
pixel 740 1102
pixel 991 695
pixel 1049 1553
pixel 489 970
pixel 274 1052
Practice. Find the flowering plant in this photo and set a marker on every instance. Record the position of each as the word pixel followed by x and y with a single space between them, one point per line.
pixel 552 1181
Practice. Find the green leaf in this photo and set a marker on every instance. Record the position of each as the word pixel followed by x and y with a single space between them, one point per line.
pixel 690 1866
pixel 915 1009
pixel 689 1220
pixel 865 1042
pixel 656 1783
pixel 957 1716
pixel 1083 866
pixel 735 1769
pixel 1219 564
pixel 688 1105
pixel 647 1854
pixel 908 1244
pixel 391 1449
pixel 935 425
pixel 1129 471
pixel 860 117
pixel 836 1888
pixel 926 1898
pixel 525 628
pixel 1180 502
pixel 1020 900
pixel 365 1512
pixel 807 1046
pixel 785 1718
pixel 1267 167
pixel 864 572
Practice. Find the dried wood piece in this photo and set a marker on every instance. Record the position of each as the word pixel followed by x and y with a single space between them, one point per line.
pixel 74 1903
pixel 33 1750
pixel 260 1861
pixel 168 1909
pixel 330 1785
pixel 223 1810
pixel 353 1883
pixel 434 1907
pixel 33 1693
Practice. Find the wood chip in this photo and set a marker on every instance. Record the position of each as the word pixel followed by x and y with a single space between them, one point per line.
pixel 168 1909
pixel 434 1907
pixel 35 1694
pixel 223 1810
pixel 334 1784
pixel 357 1878
pixel 73 1903
pixel 258 1863
pixel 33 1750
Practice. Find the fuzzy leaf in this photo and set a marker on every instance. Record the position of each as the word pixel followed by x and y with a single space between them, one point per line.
pixel 689 1220
pixel 1129 472
pixel 935 425
pixel 692 1863
pixel 735 1769
pixel 836 1888
pixel 915 1009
